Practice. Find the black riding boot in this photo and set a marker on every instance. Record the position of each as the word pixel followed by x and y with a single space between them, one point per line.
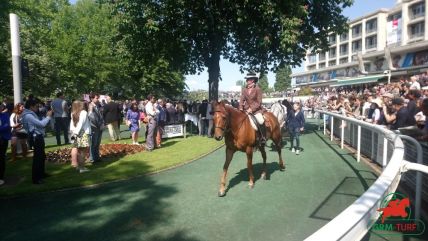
pixel 262 132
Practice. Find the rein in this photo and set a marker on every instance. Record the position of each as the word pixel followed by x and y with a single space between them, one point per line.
pixel 226 127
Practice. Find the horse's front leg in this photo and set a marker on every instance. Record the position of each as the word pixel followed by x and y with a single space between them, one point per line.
pixel 250 166
pixel 263 151
pixel 229 156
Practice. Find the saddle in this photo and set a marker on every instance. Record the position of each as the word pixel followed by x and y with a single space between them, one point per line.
pixel 260 129
pixel 255 124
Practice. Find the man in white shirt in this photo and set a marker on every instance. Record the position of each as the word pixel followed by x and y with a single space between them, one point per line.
pixel 415 84
pixel 152 112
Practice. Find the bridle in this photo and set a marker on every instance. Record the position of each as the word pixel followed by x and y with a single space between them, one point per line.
pixel 225 126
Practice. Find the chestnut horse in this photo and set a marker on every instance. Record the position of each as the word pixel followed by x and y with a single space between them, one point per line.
pixel 235 127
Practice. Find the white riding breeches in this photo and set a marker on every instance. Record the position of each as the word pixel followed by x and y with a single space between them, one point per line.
pixel 259 118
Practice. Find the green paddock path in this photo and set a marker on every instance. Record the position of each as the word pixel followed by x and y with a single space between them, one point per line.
pixel 182 203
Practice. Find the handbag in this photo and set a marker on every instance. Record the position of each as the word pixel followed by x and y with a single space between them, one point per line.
pixel 81 141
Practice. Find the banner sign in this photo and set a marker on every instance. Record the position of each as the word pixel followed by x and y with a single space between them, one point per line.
pixel 173 131
pixel 393 29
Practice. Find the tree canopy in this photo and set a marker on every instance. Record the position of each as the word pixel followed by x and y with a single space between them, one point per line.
pixel 283 78
pixel 258 35
pixel 75 49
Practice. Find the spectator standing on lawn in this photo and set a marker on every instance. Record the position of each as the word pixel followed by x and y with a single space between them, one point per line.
pixel 132 120
pixel 5 136
pixel 152 112
pixel 161 122
pixel 60 109
pixel 80 129
pixel 111 116
pixel 97 125
pixel 19 134
pixel 36 130
pixel 202 116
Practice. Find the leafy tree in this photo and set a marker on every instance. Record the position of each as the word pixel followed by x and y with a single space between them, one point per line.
pixel 282 78
pixel 198 95
pixel 192 35
pixel 240 83
pixel 305 90
pixel 264 84
pixel 5 60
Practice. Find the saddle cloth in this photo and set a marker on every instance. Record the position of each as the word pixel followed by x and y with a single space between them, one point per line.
pixel 257 117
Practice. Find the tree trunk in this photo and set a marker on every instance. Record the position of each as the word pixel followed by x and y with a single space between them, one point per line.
pixel 213 76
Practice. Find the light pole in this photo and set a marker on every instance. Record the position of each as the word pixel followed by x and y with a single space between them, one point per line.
pixel 16 58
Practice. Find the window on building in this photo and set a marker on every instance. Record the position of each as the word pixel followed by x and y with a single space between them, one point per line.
pixel 396 16
pixel 321 66
pixel 356 46
pixel 371 26
pixel 371 42
pixel 311 67
pixel 344 37
pixel 332 39
pixel 312 58
pixel 321 56
pixel 367 67
pixel 344 49
pixel 332 63
pixel 343 61
pixel 416 30
pixel 356 31
pixel 417 10
pixel 332 53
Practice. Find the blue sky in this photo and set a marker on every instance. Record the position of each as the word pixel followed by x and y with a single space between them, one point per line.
pixel 230 72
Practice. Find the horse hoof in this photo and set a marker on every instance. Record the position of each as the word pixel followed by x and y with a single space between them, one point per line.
pixel 251 186
pixel 264 177
pixel 281 167
pixel 221 194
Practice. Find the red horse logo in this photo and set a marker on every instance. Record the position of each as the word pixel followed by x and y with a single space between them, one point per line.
pixel 395 208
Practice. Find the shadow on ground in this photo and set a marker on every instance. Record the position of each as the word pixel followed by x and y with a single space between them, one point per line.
pixel 115 211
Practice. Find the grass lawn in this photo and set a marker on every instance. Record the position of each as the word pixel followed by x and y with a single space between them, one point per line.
pixel 173 152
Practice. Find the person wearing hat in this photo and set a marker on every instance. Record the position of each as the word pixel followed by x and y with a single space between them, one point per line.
pixel 251 102
pixel 401 118
pixel 376 114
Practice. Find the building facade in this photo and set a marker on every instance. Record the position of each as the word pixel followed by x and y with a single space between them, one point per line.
pixel 390 41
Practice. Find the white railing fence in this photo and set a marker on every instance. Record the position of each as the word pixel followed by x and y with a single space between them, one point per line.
pixel 382 146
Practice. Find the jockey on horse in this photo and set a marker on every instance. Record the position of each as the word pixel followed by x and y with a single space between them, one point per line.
pixel 251 102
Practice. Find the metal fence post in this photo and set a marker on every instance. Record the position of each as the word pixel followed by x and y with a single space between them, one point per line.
pixel 318 121
pixel 418 191
pixel 331 130
pixel 385 152
pixel 325 123
pixel 342 134
pixel 373 148
pixel 359 144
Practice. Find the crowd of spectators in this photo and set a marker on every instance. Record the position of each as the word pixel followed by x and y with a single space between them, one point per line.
pixel 81 124
pixel 395 105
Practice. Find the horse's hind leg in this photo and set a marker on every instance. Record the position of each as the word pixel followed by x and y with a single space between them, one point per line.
pixel 278 140
pixel 263 151
pixel 250 166
pixel 229 156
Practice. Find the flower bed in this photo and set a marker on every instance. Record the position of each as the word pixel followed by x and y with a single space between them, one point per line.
pixel 106 150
